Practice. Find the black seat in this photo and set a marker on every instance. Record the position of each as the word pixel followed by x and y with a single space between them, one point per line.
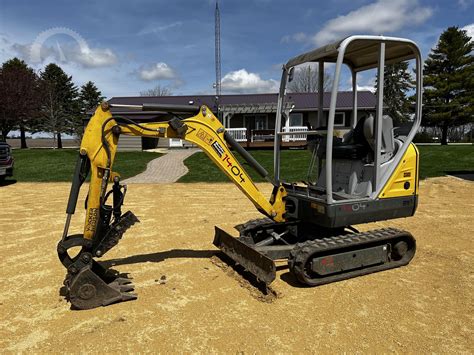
pixel 354 145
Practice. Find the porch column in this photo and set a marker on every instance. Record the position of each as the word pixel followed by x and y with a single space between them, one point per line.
pixel 227 118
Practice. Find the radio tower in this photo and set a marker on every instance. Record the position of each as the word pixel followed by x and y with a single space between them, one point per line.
pixel 218 50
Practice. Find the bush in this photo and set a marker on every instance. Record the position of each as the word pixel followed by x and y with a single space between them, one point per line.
pixel 423 137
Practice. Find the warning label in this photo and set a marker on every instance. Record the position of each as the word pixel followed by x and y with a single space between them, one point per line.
pixel 205 137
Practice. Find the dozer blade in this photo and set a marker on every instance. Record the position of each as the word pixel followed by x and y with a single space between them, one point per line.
pixel 93 286
pixel 259 265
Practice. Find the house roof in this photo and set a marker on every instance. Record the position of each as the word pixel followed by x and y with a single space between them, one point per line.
pixel 302 101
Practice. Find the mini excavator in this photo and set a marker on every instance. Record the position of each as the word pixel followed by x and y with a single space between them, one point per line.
pixel 370 174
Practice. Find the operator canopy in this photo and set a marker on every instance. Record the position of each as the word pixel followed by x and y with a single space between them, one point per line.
pixel 361 52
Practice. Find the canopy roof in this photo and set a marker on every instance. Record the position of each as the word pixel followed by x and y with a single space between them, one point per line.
pixel 362 52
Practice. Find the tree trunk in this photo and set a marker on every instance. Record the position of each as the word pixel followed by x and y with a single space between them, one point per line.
pixel 444 134
pixel 23 137
pixel 60 143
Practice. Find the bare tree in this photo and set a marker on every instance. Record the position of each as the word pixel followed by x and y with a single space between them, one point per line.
pixel 158 90
pixel 306 78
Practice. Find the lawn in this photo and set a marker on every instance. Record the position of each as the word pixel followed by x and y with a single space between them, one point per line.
pixel 48 165
pixel 434 161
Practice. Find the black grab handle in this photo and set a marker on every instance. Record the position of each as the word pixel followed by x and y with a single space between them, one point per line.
pixel 80 175
pixel 244 154
pixel 171 108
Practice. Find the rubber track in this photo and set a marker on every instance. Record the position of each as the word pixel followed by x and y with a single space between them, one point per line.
pixel 302 252
pixel 253 224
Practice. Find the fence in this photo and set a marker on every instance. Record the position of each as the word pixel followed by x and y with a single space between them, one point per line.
pixel 239 134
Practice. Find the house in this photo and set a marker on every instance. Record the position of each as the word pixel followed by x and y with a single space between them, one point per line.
pixel 250 118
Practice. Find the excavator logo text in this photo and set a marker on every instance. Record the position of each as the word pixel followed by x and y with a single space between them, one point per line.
pixel 234 169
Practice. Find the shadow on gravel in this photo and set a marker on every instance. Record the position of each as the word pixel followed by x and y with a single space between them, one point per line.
pixel 291 280
pixel 463 174
pixel 7 182
pixel 159 257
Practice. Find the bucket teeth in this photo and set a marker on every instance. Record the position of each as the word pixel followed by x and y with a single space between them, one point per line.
pixel 123 280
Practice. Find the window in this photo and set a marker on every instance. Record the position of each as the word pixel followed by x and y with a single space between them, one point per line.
pixel 340 119
pixel 258 121
pixel 296 119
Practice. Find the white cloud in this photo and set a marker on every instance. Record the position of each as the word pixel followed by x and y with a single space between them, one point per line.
pixel 93 57
pixel 370 88
pixel 157 71
pixel 464 4
pixel 470 30
pixel 156 28
pixel 380 17
pixel 241 81
pixel 297 37
pixel 76 53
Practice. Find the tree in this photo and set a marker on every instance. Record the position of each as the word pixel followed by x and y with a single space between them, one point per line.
pixel 19 97
pixel 158 90
pixel 305 79
pixel 60 104
pixel 397 82
pixel 89 98
pixel 449 82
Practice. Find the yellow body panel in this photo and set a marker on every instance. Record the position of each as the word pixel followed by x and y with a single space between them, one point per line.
pixel 92 146
pixel 405 175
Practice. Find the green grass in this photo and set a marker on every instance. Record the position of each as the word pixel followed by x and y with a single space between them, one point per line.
pixel 49 165
pixel 434 161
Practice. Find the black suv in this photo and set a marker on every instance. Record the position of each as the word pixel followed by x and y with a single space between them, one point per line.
pixel 6 160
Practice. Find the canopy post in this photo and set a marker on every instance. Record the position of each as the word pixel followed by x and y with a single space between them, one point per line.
pixel 378 118
pixel 320 93
pixel 354 99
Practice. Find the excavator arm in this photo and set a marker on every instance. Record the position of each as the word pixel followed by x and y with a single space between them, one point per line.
pixel 87 284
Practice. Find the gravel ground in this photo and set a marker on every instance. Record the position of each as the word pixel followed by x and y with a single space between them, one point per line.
pixel 424 307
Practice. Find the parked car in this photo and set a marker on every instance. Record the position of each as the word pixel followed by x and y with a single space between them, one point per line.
pixel 6 161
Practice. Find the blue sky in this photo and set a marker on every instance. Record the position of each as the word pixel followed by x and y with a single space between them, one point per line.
pixel 129 46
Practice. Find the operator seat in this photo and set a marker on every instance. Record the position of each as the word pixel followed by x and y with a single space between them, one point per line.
pixel 354 145
pixel 388 141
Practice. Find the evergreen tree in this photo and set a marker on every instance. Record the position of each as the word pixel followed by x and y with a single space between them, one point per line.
pixel 19 98
pixel 449 82
pixel 89 98
pixel 397 82
pixel 60 104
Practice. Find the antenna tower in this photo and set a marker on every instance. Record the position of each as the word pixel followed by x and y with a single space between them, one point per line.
pixel 218 49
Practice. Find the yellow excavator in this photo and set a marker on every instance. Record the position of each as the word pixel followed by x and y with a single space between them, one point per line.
pixel 370 174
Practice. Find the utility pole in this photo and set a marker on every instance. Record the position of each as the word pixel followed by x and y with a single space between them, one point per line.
pixel 217 17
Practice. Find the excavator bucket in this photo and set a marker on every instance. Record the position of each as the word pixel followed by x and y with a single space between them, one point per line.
pixel 259 265
pixel 93 286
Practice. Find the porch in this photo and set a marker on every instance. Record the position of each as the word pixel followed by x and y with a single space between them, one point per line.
pixel 265 138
